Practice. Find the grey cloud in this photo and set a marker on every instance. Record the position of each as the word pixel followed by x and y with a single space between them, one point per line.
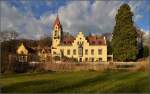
pixel 27 25
pixel 97 17
pixel 83 16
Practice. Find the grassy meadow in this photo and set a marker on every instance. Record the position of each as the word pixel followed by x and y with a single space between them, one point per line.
pixel 77 82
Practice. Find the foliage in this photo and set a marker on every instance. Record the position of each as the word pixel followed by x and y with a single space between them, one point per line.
pixel 76 82
pixel 67 59
pixel 45 42
pixel 109 47
pixel 145 51
pixel 8 35
pixel 67 34
pixel 124 41
pixel 21 67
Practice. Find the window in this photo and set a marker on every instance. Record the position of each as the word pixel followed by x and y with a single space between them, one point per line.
pixel 80 51
pixel 74 52
pixel 56 27
pixel 86 59
pixel 26 58
pixel 62 51
pixel 93 42
pixel 92 52
pixel 68 52
pixel 55 33
pixel 99 42
pixel 80 59
pixel 92 59
pixel 99 59
pixel 86 51
pixel 99 51
pixel 54 53
pixel 22 58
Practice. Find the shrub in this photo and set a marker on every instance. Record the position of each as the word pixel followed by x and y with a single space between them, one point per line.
pixel 21 67
pixel 67 59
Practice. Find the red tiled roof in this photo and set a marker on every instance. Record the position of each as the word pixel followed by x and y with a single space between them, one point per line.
pixel 68 40
pixel 94 40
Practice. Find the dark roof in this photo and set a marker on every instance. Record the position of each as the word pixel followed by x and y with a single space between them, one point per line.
pixel 68 40
pixel 94 40
pixel 30 50
pixel 36 49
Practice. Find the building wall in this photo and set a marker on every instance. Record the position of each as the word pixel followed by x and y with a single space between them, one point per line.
pixel 63 49
pixel 56 36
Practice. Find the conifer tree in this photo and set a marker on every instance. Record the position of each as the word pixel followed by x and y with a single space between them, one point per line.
pixel 124 42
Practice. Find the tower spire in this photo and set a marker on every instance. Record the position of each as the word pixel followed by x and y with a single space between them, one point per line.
pixel 57 22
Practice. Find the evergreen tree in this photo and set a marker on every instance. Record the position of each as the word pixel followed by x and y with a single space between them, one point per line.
pixel 124 41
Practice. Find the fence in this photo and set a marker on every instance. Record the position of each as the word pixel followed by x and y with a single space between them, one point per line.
pixel 76 66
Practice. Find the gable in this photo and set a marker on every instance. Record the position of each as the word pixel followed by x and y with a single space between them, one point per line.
pixel 80 39
pixel 22 50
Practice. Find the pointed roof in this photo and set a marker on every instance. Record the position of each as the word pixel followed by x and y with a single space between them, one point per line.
pixel 22 49
pixel 57 21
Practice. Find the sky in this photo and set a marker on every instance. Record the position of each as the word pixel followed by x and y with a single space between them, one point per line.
pixel 33 19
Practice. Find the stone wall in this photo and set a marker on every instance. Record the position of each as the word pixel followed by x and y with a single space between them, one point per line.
pixel 76 67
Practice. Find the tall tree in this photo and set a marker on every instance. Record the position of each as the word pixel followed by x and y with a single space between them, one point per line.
pixel 124 42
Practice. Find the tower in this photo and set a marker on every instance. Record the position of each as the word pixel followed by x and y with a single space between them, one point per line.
pixel 56 33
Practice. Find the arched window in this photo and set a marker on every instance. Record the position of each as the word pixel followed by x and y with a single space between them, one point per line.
pixel 80 51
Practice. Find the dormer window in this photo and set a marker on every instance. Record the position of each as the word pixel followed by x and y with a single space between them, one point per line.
pixel 93 42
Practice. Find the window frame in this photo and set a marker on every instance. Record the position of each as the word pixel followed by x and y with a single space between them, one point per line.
pixel 86 51
pixel 92 51
pixel 74 51
pixel 99 51
pixel 68 51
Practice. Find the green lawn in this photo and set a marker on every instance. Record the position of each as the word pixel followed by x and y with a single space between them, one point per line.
pixel 85 81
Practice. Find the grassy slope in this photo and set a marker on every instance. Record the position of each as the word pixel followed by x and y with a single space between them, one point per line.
pixel 85 81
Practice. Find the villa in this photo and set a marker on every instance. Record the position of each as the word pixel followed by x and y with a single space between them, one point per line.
pixel 82 48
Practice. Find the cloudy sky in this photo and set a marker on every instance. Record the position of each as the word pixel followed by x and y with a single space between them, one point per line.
pixel 33 19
